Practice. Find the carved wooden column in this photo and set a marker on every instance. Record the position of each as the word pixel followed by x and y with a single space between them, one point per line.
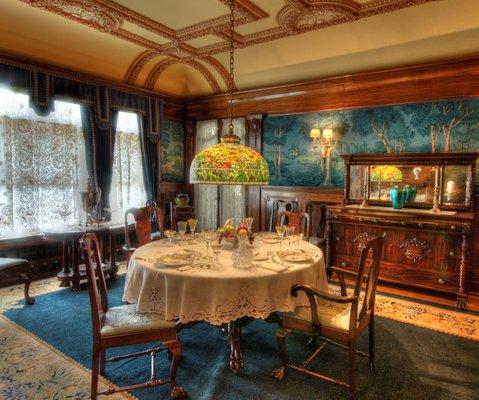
pixel 254 134
pixel 464 266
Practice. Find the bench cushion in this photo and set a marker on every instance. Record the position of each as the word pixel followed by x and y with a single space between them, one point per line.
pixel 7 263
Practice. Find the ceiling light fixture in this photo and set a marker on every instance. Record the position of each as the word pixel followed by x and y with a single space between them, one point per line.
pixel 229 162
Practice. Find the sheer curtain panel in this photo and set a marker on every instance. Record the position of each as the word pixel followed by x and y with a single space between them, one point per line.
pixel 42 164
pixel 128 187
pixel 233 197
pixel 206 196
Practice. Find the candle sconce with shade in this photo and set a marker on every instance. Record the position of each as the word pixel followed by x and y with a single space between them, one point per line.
pixel 322 140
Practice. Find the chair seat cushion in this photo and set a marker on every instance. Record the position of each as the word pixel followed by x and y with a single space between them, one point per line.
pixel 6 263
pixel 332 315
pixel 125 320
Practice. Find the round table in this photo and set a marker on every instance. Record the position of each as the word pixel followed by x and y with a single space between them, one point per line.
pixel 72 272
pixel 224 295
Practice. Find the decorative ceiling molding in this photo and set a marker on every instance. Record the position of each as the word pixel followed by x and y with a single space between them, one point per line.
pixel 168 62
pixel 137 65
pixel 296 17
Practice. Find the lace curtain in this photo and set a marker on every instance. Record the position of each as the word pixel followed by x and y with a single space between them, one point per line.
pixel 42 164
pixel 127 188
pixel 233 197
pixel 206 203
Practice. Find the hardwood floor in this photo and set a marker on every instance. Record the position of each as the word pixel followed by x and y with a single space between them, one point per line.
pixel 437 298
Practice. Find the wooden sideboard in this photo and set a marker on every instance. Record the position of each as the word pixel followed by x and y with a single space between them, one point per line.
pixel 423 250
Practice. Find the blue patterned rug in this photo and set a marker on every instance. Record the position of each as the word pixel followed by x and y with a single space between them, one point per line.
pixel 413 363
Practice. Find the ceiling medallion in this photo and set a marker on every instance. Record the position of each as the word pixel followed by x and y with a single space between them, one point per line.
pixel 315 17
pixel 89 13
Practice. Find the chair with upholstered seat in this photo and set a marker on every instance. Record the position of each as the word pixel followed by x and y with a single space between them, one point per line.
pixel 336 320
pixel 148 226
pixel 124 326
pixel 299 220
pixel 17 268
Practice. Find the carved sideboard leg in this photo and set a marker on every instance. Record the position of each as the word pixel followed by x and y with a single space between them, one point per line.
pixel 463 272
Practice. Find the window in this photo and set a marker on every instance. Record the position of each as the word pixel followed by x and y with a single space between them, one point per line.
pixel 42 164
pixel 127 188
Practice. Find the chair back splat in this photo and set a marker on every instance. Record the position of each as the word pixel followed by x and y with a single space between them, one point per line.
pixel 146 220
pixel 299 220
pixel 97 289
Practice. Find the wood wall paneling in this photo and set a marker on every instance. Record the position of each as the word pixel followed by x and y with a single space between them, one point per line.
pixel 450 79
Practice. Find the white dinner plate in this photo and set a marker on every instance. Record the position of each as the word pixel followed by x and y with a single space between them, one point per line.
pixel 259 257
pixel 173 260
pixel 294 256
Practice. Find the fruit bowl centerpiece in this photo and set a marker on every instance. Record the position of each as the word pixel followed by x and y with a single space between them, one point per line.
pixel 231 235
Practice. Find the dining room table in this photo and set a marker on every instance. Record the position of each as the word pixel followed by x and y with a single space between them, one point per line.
pixel 73 271
pixel 178 280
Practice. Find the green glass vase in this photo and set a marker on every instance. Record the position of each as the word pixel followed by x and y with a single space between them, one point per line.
pixel 398 195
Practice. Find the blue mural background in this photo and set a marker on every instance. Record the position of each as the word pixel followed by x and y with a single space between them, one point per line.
pixel 172 152
pixel 447 126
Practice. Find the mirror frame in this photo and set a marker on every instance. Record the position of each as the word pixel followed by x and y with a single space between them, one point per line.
pixel 414 159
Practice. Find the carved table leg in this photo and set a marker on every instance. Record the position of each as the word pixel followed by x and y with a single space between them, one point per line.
pixel 27 276
pixel 65 262
pixel 234 335
pixel 75 283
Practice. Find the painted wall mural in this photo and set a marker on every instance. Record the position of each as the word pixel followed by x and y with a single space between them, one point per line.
pixel 172 152
pixel 448 126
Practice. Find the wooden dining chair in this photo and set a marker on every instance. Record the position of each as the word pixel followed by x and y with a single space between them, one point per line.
pixel 317 212
pixel 148 226
pixel 300 221
pixel 336 320
pixel 124 326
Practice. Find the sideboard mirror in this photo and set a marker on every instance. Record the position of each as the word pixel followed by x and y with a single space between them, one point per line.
pixel 436 181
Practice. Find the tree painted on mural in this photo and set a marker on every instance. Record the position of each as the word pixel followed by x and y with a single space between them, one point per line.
pixel 447 123
pixel 277 138
pixel 387 125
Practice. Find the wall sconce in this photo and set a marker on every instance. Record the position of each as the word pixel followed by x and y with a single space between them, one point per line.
pixel 315 134
pixel 324 138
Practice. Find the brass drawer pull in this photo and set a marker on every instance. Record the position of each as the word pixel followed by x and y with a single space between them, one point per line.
pixel 441 281
pixel 344 264
pixel 452 254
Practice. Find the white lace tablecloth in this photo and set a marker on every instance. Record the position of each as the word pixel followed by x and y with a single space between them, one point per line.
pixel 218 296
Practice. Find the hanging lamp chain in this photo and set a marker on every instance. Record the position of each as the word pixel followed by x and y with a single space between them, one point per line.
pixel 232 61
pixel 230 137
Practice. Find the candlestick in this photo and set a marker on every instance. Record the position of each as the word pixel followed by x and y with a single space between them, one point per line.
pixel 365 188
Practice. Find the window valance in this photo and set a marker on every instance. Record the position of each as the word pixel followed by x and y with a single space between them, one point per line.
pixel 45 87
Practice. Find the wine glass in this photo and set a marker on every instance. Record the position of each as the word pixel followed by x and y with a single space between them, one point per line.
pixel 217 248
pixel 289 231
pixel 300 237
pixel 192 222
pixel 182 229
pixel 280 230
pixel 208 235
pixel 169 234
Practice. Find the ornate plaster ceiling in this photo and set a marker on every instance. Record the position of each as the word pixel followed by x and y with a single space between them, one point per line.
pixel 179 46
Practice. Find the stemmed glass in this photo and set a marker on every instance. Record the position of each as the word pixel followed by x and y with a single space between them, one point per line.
pixel 192 222
pixel 289 234
pixel 208 235
pixel 169 234
pixel 182 229
pixel 300 237
pixel 217 248
pixel 280 230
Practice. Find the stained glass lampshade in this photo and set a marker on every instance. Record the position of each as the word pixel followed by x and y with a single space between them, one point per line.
pixel 229 163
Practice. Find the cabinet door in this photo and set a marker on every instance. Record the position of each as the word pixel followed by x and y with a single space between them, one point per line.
pixel 422 250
